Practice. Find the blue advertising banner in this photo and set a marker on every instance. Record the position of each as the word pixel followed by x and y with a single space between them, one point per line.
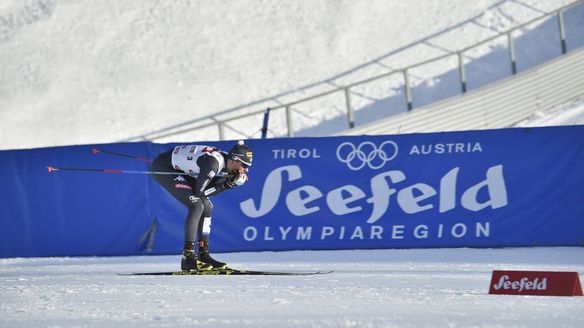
pixel 493 188
pixel 72 213
pixel 512 187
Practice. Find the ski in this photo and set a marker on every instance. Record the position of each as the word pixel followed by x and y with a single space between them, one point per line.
pixel 227 272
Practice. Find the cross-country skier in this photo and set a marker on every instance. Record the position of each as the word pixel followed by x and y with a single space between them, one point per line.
pixel 211 171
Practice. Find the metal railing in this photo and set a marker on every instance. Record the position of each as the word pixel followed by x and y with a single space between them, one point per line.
pixel 495 106
pixel 346 89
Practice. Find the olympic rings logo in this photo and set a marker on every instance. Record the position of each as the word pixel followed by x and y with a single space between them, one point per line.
pixel 367 153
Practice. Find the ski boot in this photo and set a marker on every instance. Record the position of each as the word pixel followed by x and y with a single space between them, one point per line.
pixel 190 263
pixel 205 258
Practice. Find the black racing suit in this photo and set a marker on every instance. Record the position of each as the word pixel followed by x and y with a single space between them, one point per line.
pixel 194 193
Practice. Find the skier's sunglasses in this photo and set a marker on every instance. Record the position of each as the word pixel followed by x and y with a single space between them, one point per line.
pixel 244 165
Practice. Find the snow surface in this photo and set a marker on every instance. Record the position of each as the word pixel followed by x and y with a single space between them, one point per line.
pixel 570 113
pixel 368 288
pixel 85 71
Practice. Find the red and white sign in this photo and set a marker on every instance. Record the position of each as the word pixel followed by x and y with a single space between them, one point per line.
pixel 536 283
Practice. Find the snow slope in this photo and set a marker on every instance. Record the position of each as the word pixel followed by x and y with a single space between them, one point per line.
pixel 368 288
pixel 570 113
pixel 86 71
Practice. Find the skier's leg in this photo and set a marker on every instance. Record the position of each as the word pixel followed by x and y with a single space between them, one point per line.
pixel 204 229
pixel 204 235
pixel 180 188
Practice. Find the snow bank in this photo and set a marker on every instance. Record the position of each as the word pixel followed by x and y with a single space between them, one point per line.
pixel 76 72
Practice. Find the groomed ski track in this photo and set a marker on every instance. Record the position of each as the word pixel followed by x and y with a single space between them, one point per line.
pixel 368 288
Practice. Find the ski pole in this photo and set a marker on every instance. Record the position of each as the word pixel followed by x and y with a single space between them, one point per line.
pixel 53 169
pixel 97 151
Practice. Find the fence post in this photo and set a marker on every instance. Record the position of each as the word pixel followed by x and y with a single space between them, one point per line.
pixel 289 120
pixel 350 115
pixel 461 71
pixel 265 124
pixel 512 53
pixel 408 90
pixel 562 31
pixel 221 130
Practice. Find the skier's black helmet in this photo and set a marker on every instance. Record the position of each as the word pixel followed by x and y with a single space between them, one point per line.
pixel 241 153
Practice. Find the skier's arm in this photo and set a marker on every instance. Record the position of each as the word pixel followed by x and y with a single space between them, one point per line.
pixel 232 180
pixel 219 186
pixel 208 170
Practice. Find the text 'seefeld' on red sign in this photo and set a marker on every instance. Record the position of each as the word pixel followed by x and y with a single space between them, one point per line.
pixel 546 283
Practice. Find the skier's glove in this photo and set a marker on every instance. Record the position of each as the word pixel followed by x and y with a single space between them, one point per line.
pixel 235 179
